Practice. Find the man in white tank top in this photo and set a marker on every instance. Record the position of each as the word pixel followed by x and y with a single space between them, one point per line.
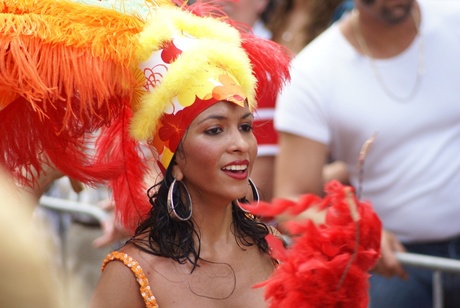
pixel 390 69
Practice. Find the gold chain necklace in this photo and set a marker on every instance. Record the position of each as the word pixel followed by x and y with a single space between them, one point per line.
pixel 365 48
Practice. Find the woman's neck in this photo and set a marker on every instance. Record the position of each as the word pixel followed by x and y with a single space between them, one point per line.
pixel 213 224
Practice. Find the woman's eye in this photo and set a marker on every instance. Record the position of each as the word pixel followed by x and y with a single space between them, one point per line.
pixel 213 131
pixel 246 127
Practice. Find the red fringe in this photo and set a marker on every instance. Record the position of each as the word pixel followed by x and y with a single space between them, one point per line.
pixel 327 265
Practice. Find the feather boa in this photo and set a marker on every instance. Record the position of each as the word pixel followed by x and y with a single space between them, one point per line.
pixel 327 265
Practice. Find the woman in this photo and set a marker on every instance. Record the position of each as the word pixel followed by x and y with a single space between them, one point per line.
pixel 195 247
pixel 216 256
pixel 295 23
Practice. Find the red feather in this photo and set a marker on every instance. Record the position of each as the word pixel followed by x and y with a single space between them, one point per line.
pixel 116 146
pixel 327 265
pixel 27 140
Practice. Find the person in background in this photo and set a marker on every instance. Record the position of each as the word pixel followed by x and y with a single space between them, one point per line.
pixel 295 23
pixel 388 72
pixel 253 14
pixel 25 273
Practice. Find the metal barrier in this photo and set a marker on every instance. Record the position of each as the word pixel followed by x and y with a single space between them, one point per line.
pixel 64 205
pixel 437 265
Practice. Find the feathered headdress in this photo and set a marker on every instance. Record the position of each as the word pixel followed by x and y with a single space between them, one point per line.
pixel 69 70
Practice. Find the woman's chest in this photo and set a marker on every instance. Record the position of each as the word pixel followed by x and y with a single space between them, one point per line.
pixel 212 284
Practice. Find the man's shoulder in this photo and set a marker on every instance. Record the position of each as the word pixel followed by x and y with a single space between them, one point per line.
pixel 440 16
pixel 443 8
pixel 328 50
pixel 324 43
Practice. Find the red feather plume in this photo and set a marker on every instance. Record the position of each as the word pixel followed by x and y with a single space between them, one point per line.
pixel 27 141
pixel 116 146
pixel 327 265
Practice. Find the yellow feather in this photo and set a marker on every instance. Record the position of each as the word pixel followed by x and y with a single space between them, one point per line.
pixel 205 53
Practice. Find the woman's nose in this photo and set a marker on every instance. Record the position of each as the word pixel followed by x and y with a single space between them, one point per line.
pixel 239 142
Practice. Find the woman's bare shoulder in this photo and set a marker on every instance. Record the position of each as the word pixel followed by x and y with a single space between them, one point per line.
pixel 117 287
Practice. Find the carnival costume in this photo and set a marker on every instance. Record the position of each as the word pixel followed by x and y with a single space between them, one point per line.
pixel 140 77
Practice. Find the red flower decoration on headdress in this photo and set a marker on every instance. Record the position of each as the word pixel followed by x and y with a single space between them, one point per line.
pixel 170 52
pixel 172 129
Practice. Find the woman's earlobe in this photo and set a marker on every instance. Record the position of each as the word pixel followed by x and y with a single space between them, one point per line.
pixel 177 172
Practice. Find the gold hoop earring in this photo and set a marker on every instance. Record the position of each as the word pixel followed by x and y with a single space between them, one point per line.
pixel 255 196
pixel 171 204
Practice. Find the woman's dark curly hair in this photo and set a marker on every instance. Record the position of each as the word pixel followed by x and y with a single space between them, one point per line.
pixel 173 239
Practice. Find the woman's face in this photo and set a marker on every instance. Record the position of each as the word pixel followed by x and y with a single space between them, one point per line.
pixel 217 153
pixel 244 11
